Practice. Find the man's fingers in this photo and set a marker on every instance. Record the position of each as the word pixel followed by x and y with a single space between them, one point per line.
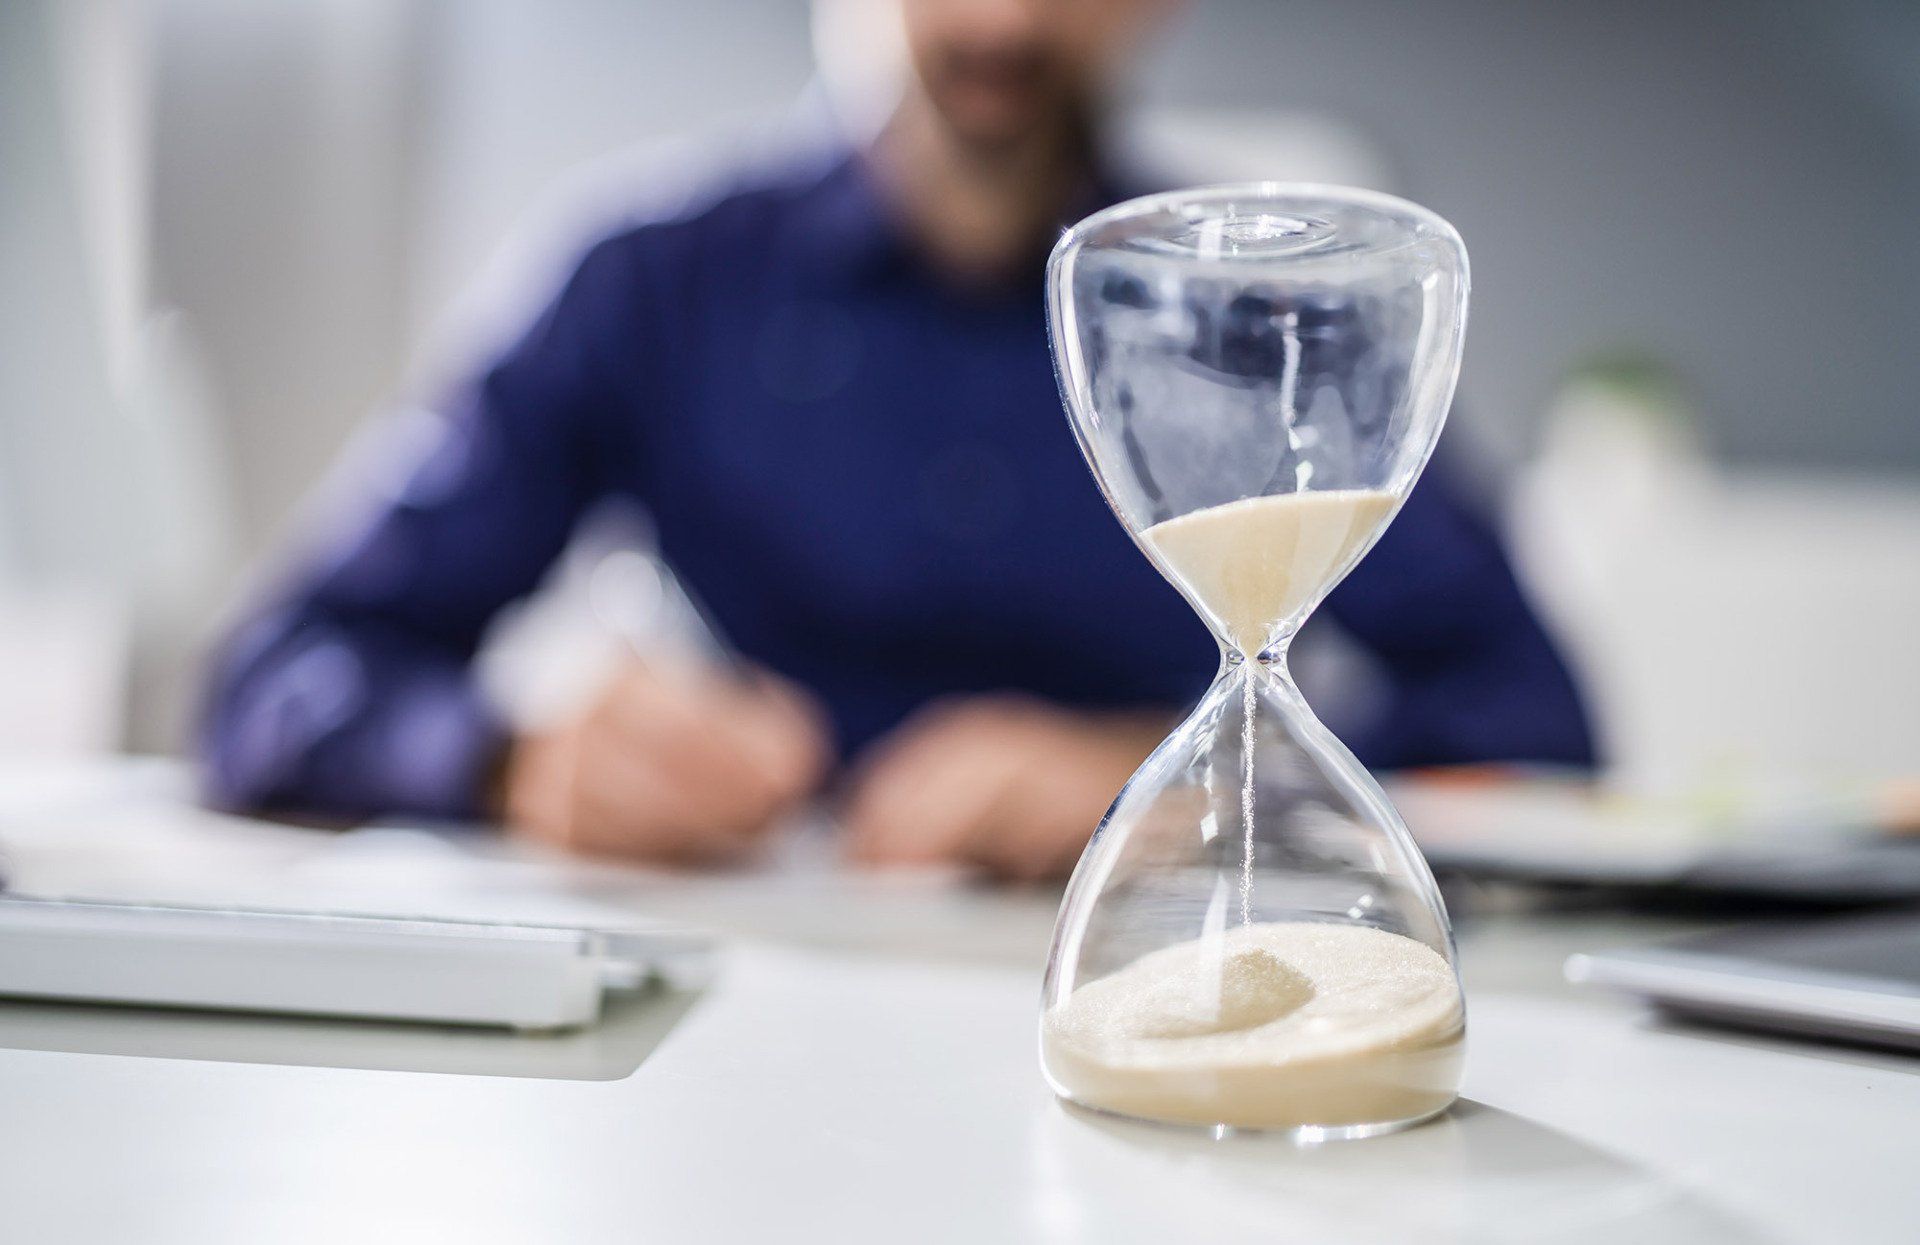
pixel 929 803
pixel 781 735
pixel 922 792
pixel 678 764
pixel 681 725
pixel 1039 837
pixel 1008 785
pixel 886 792
pixel 739 754
pixel 635 807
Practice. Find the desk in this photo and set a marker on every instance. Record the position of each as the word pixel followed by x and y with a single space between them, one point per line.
pixel 861 1067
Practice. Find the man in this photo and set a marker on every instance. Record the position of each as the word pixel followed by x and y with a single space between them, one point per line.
pixel 830 386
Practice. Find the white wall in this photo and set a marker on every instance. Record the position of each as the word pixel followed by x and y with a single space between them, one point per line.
pixel 284 174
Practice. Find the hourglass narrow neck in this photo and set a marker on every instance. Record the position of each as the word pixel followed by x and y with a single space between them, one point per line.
pixel 1270 662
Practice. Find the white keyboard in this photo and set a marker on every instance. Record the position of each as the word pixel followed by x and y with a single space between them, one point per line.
pixel 445 972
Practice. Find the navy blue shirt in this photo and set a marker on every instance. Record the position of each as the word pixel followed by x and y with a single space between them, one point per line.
pixel 863 471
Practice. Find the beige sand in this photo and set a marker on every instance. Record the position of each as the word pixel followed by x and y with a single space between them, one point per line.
pixel 1257 562
pixel 1273 1026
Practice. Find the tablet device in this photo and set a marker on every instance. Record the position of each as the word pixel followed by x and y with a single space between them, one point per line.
pixel 1852 979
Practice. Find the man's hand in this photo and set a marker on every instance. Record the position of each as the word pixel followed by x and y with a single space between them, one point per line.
pixel 1007 784
pixel 672 765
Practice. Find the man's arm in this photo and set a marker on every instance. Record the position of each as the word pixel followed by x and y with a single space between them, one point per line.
pixel 348 693
pixel 1474 675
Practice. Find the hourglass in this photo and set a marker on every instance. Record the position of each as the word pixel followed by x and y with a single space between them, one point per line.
pixel 1256 375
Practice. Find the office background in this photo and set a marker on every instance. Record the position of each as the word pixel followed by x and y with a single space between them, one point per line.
pixel 234 232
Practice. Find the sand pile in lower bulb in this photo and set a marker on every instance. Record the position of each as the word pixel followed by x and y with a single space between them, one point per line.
pixel 1278 1025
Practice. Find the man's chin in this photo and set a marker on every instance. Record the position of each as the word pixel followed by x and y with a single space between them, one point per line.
pixel 991 126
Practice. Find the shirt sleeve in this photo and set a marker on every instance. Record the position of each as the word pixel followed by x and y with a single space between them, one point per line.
pixel 347 691
pixel 1472 674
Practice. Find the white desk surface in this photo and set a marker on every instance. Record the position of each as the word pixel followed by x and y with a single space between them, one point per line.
pixel 861 1068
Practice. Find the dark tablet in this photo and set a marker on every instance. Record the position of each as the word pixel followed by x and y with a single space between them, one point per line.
pixel 1853 979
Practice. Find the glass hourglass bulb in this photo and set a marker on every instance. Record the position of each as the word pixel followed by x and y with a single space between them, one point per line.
pixel 1256 375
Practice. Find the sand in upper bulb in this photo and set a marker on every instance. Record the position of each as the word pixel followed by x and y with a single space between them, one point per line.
pixel 1271 1026
pixel 1254 563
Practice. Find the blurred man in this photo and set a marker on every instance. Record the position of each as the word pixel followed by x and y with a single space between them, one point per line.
pixel 829 384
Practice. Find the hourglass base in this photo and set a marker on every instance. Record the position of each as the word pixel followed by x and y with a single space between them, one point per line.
pixel 1297 1134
